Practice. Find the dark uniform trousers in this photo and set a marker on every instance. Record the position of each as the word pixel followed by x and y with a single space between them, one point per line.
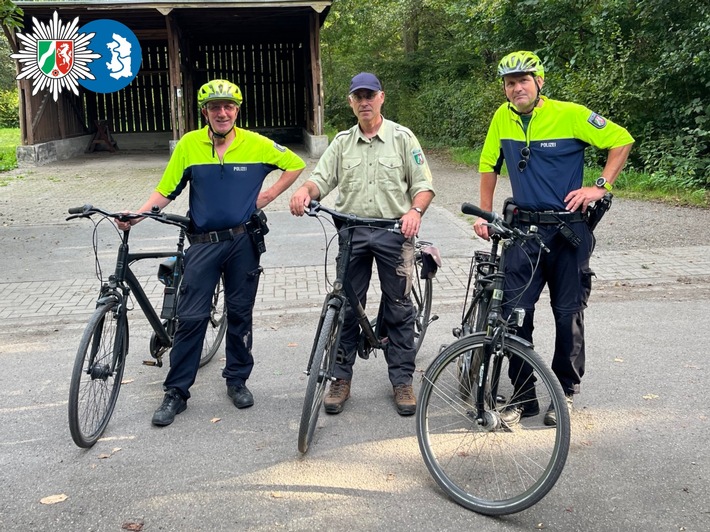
pixel 204 263
pixel 566 272
pixel 394 256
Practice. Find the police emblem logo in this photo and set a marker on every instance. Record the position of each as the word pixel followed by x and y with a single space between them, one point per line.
pixel 54 57
pixel 418 156
pixel 597 121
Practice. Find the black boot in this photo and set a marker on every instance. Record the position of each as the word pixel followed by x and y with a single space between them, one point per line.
pixel 173 404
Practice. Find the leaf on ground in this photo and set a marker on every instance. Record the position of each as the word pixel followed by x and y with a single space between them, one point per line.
pixel 127 381
pixel 215 420
pixel 133 526
pixel 292 344
pixel 618 359
pixel 650 396
pixel 276 495
pixel 54 499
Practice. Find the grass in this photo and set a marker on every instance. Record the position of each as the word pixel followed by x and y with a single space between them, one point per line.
pixel 630 184
pixel 9 140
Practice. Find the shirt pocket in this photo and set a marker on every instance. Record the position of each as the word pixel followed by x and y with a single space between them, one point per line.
pixel 390 173
pixel 352 168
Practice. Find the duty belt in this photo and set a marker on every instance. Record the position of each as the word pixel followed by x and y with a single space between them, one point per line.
pixel 217 236
pixel 547 217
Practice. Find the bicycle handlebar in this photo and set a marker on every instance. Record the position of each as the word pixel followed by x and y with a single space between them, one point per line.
pixel 500 226
pixel 385 223
pixel 86 211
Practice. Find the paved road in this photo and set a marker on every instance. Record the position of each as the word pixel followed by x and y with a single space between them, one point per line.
pixel 639 459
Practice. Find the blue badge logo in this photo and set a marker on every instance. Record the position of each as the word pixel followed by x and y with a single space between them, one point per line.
pixel 120 54
pixel 597 121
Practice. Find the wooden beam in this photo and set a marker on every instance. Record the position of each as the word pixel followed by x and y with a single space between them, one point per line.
pixel 316 115
pixel 177 111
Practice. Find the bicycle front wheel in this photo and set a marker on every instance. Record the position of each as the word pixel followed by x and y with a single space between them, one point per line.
pixel 217 325
pixel 321 370
pixel 97 374
pixel 481 462
pixel 421 301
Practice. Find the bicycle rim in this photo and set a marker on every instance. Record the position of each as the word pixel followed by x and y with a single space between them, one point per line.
pixel 96 377
pixel 320 373
pixel 491 468
pixel 217 325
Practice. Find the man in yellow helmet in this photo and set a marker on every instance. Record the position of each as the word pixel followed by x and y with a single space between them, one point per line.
pixel 225 167
pixel 542 143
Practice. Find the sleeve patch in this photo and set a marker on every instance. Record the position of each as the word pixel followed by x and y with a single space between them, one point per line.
pixel 418 156
pixel 597 121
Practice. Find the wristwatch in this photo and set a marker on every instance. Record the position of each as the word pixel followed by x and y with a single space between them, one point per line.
pixel 418 210
pixel 603 183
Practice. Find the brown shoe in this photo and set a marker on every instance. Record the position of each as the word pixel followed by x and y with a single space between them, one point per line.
pixel 404 400
pixel 338 393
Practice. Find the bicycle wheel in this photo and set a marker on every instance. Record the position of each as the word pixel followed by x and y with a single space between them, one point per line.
pixel 321 370
pixel 217 325
pixel 486 465
pixel 421 301
pixel 97 374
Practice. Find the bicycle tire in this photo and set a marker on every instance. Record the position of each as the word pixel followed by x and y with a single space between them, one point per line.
pixel 321 369
pixel 96 377
pixel 217 326
pixel 494 469
pixel 421 296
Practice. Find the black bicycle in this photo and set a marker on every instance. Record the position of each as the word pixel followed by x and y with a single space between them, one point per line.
pixel 480 461
pixel 373 335
pixel 100 359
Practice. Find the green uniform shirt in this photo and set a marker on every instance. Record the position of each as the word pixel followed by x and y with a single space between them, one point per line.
pixel 376 178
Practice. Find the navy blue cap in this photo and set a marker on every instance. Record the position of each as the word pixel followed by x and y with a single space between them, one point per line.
pixel 365 80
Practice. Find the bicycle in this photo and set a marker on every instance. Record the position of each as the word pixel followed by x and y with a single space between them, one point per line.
pixel 373 335
pixel 100 359
pixel 480 461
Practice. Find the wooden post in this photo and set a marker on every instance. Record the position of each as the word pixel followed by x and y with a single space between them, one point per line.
pixel 315 118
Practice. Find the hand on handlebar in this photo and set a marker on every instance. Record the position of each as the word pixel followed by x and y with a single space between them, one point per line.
pixel 411 221
pixel 481 228
pixel 300 201
pixel 125 224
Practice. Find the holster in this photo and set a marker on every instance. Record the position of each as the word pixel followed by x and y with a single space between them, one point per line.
pixel 257 228
pixel 597 211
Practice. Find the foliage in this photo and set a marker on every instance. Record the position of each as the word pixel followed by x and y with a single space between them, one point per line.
pixel 644 64
pixel 9 140
pixel 9 108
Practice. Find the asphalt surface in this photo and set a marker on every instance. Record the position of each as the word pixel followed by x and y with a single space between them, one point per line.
pixel 639 458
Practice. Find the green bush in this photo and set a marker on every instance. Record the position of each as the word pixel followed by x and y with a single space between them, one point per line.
pixel 9 109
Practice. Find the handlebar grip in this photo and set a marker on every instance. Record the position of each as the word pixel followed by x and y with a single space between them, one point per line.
pixel 473 210
pixel 79 210
pixel 182 220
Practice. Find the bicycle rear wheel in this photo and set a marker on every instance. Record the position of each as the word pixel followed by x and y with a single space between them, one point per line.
pixel 97 374
pixel 217 325
pixel 486 465
pixel 321 370
pixel 421 301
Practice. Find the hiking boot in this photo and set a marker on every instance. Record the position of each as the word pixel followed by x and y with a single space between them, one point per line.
pixel 338 393
pixel 240 395
pixel 173 404
pixel 551 416
pixel 404 399
pixel 522 405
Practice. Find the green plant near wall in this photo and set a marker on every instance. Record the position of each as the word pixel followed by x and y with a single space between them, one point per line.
pixel 9 109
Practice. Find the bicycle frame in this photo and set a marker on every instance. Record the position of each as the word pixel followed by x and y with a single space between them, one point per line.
pixel 125 280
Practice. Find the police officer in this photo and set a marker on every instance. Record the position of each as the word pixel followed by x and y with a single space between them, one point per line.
pixel 225 167
pixel 542 142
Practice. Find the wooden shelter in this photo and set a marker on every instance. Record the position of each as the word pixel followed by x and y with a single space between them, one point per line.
pixel 270 48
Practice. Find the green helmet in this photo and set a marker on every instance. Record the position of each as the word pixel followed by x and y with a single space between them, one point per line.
pixel 219 89
pixel 521 62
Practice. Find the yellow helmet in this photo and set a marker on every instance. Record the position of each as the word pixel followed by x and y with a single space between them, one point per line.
pixel 219 89
pixel 521 62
